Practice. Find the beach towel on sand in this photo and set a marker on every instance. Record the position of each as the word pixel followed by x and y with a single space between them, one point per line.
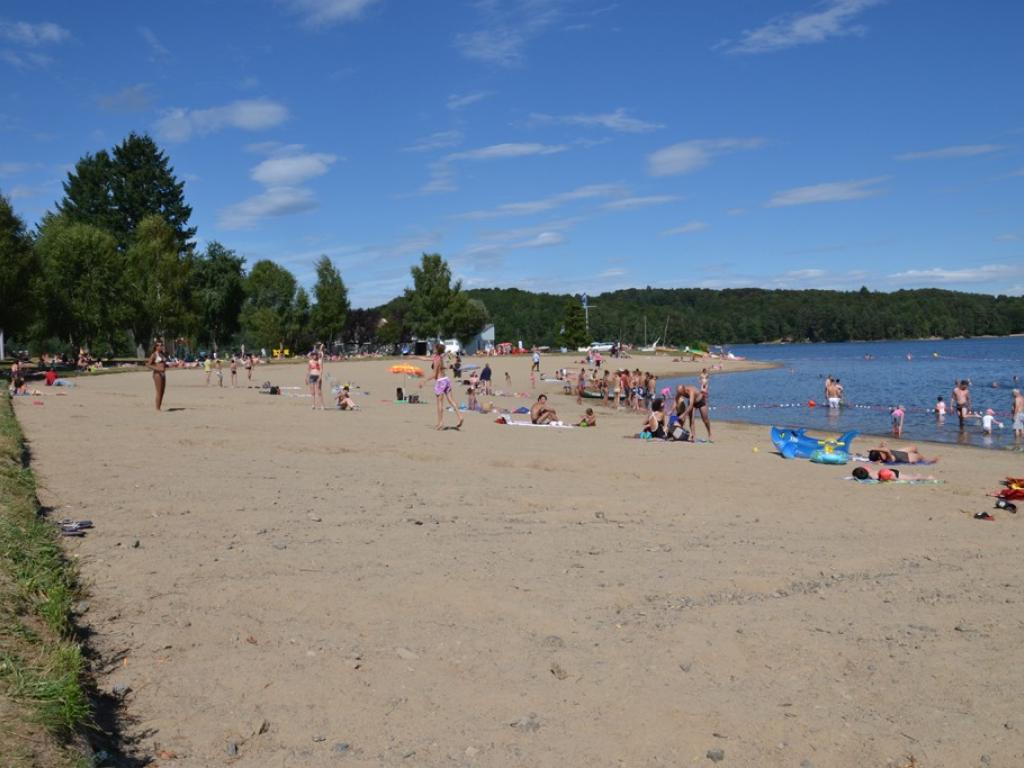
pixel 918 481
pixel 511 423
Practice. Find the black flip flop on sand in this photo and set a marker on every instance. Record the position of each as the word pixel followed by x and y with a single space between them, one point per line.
pixel 70 527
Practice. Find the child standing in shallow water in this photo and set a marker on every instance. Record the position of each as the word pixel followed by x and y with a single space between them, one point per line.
pixel 897 415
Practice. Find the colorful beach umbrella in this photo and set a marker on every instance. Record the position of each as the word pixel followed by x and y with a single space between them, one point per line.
pixel 408 370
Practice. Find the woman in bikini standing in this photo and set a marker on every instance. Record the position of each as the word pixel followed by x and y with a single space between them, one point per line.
pixel 442 387
pixel 314 378
pixel 157 363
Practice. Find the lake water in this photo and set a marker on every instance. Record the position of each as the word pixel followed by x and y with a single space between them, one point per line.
pixel 875 377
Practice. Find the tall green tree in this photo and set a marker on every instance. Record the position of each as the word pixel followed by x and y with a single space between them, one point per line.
pixel 574 326
pixel 158 276
pixel 218 292
pixel 299 336
pixel 18 269
pixel 328 316
pixel 88 196
pixel 362 325
pixel 117 191
pixel 82 287
pixel 269 306
pixel 436 306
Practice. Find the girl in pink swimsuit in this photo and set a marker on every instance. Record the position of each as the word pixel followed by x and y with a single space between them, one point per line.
pixel 442 388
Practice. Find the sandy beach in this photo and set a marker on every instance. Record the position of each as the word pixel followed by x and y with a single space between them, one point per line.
pixel 282 587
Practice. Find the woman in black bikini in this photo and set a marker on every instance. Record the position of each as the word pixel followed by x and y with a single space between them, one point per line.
pixel 157 363
pixel 655 422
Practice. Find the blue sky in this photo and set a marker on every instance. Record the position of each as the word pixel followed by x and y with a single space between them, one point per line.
pixel 558 145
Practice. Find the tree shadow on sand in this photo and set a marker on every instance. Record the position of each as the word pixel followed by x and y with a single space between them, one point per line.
pixel 108 737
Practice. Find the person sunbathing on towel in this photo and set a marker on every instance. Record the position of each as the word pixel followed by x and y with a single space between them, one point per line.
pixel 884 475
pixel 883 454
pixel 540 413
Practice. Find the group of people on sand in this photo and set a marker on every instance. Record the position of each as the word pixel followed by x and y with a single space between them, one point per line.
pixel 675 420
pixel 315 381
pixel 634 390
pixel 542 413
pixel 213 365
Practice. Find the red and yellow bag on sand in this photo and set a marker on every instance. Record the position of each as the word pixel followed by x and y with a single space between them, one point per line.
pixel 1017 483
pixel 1015 494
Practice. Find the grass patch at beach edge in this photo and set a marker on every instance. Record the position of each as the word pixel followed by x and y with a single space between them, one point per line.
pixel 44 705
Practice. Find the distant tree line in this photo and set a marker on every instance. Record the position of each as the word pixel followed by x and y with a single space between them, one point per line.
pixel 753 315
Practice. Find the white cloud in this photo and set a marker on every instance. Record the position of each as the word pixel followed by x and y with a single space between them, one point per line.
pixel 32 35
pixel 962 150
pixel 131 98
pixel 687 228
pixel 521 233
pixel 618 120
pixel 322 13
pixel 287 166
pixel 292 169
pixel 15 168
pixel 501 151
pixel 496 246
pixel 736 211
pixel 442 179
pixel 542 240
pixel 1009 237
pixel 493 46
pixel 526 208
pixel 27 35
pixel 277 201
pixel 690 156
pixel 507 29
pixel 632 203
pixel 248 115
pixel 442 175
pixel 805 274
pixel 23 191
pixel 456 102
pixel 827 193
pixel 1018 172
pixel 439 140
pixel 612 273
pixel 989 273
pixel 997 278
pixel 25 59
pixel 836 18
pixel 271 148
pixel 156 48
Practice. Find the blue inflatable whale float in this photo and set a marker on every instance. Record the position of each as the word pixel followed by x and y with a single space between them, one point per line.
pixel 797 444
